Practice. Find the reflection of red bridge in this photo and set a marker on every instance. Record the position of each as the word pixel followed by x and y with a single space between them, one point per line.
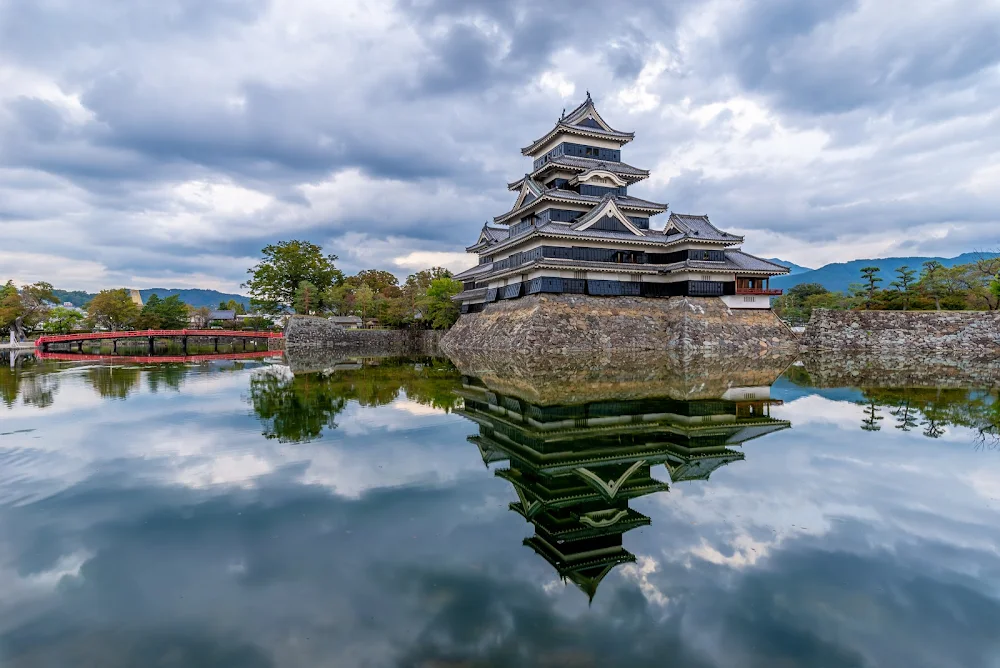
pixel 43 342
pixel 156 359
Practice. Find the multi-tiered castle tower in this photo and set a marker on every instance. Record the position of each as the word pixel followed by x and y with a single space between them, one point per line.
pixel 574 228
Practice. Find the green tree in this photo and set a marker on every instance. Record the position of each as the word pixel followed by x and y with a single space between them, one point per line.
pixel 276 278
pixel 113 309
pixel 903 283
pixel 797 304
pixel 232 305
pixel 364 300
pixel 339 299
pixel 307 298
pixel 148 317
pixel 62 320
pixel 173 313
pixel 932 281
pixel 872 279
pixel 438 308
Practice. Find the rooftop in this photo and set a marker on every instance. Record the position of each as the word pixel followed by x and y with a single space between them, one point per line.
pixel 584 120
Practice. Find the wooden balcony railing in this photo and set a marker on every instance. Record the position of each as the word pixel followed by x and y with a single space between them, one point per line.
pixel 769 292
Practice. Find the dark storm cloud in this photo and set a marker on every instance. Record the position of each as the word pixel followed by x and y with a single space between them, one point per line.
pixel 787 48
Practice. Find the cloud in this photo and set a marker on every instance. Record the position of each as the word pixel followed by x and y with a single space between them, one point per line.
pixel 169 143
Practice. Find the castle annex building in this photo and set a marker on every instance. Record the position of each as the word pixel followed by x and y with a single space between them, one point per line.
pixel 574 228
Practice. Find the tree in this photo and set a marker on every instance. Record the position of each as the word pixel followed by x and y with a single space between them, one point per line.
pixel 904 279
pixel 275 279
pixel 932 281
pixel 62 320
pixel 200 316
pixel 232 305
pixel 438 308
pixel 364 300
pixel 307 298
pixel 376 279
pixel 339 299
pixel 872 279
pixel 797 304
pixel 30 303
pixel 113 309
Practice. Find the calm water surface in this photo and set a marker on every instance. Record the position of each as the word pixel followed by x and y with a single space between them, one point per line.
pixel 398 513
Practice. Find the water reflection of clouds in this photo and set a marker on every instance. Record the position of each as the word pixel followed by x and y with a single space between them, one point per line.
pixel 391 545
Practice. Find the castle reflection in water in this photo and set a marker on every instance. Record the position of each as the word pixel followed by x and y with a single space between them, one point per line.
pixel 575 468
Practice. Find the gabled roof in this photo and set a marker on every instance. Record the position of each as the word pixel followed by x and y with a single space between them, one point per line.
pixel 488 236
pixel 530 189
pixel 586 115
pixel 607 207
pixel 698 227
pixel 583 121
pixel 577 164
pixel 558 194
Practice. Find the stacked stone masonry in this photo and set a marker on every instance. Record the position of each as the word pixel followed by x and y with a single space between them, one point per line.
pixel 540 324
pixel 306 332
pixel 970 334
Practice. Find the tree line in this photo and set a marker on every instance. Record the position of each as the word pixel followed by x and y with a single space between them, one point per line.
pixel 37 308
pixel 972 286
pixel 292 277
pixel 296 276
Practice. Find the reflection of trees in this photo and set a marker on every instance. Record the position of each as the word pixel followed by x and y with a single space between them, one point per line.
pixel 10 385
pixel 294 408
pixel 872 418
pixel 165 377
pixel 32 381
pixel 937 408
pixel 298 408
pixel 114 382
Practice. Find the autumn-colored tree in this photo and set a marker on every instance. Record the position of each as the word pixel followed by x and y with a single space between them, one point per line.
pixel 30 303
pixel 113 309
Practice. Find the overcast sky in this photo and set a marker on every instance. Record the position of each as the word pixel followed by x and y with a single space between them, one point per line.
pixel 162 143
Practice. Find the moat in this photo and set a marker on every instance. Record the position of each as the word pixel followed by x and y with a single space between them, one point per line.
pixel 267 511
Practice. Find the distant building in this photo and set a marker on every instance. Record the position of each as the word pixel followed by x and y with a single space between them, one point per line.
pixel 226 315
pixel 574 228
pixel 346 321
pixel 136 297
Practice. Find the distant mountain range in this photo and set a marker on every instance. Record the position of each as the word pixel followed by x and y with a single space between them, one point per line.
pixel 796 268
pixel 196 298
pixel 839 276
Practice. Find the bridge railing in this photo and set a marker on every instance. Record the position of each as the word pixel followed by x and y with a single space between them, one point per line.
pixel 162 333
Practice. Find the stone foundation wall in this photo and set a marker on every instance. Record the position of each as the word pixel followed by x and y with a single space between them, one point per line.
pixel 546 324
pixel 964 334
pixel 319 334
pixel 828 368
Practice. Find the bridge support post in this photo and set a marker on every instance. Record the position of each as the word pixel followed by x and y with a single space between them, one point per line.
pixel 244 344
pixel 151 345
pixel 216 344
pixel 184 344
pixel 79 346
pixel 114 345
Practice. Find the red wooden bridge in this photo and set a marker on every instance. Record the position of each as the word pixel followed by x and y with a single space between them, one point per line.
pixel 157 359
pixel 43 342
